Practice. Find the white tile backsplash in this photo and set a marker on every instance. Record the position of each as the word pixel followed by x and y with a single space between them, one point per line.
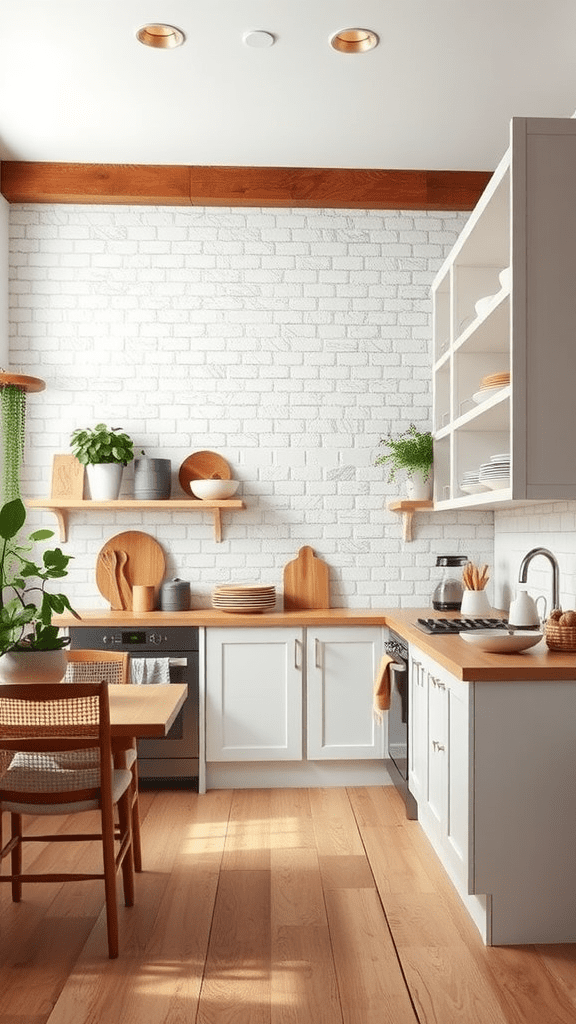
pixel 290 341
pixel 550 525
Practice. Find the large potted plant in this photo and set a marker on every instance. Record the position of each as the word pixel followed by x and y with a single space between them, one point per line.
pixel 31 647
pixel 412 453
pixel 104 451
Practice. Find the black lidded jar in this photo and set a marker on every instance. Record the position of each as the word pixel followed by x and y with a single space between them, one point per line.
pixel 447 596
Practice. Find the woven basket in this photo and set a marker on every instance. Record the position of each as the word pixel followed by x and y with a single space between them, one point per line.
pixel 560 638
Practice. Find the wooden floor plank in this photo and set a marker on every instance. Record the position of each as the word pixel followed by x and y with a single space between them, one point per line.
pixel 271 907
pixel 156 969
pixel 370 981
pixel 236 986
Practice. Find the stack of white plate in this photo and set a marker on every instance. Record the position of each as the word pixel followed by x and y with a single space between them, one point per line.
pixel 470 482
pixel 496 473
pixel 243 597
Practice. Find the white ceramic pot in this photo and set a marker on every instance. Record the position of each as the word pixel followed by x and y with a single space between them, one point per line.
pixel 104 480
pixel 33 666
pixel 417 488
pixel 475 602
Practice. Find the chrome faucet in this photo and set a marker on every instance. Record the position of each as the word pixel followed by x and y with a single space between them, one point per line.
pixel 523 574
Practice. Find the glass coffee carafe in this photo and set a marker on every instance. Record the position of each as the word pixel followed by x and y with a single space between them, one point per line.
pixel 447 596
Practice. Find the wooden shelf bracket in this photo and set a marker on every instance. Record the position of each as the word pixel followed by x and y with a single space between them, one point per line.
pixel 407 509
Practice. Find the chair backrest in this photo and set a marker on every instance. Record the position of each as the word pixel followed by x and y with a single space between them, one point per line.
pixel 37 722
pixel 85 666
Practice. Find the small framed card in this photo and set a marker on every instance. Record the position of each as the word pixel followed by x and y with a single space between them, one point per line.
pixel 67 477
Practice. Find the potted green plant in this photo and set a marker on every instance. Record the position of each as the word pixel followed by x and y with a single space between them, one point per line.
pixel 104 451
pixel 31 647
pixel 412 453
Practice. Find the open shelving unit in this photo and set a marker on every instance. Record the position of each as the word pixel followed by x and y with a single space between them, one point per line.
pixel 525 221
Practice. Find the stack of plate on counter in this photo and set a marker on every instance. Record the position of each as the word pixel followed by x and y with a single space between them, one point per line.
pixel 243 597
pixel 490 385
pixel 496 473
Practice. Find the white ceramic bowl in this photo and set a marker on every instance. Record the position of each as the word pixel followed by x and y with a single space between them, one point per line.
pixel 505 277
pixel 498 641
pixel 214 490
pixel 483 305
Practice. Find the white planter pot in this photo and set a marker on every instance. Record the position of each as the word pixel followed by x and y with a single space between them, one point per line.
pixel 104 480
pixel 417 488
pixel 475 602
pixel 33 666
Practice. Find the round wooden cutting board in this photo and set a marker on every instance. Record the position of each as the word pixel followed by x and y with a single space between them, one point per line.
pixel 203 466
pixel 144 565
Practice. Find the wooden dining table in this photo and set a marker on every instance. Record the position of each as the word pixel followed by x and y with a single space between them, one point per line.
pixel 140 711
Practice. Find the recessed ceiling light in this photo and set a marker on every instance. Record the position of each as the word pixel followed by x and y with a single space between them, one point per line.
pixel 258 38
pixel 163 37
pixel 354 40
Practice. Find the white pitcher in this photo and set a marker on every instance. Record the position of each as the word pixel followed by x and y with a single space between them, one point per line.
pixel 523 612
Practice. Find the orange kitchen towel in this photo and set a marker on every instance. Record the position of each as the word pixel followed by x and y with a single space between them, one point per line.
pixel 382 687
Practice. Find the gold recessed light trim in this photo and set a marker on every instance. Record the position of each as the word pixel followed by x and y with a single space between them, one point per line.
pixel 354 40
pixel 162 37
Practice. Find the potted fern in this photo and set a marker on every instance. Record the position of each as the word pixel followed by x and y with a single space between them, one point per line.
pixel 412 453
pixel 31 647
pixel 105 451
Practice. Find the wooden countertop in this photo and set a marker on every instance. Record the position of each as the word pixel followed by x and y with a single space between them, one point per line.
pixel 454 654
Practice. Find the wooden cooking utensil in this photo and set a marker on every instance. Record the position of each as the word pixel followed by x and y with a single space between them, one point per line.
pixel 306 582
pixel 145 564
pixel 115 598
pixel 125 588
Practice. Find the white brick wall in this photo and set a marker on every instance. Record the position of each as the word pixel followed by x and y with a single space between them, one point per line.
pixel 290 341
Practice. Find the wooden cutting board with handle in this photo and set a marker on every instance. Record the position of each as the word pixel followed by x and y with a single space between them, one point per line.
pixel 306 582
pixel 129 559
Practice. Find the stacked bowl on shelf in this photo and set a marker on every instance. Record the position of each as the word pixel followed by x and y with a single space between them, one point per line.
pixel 243 597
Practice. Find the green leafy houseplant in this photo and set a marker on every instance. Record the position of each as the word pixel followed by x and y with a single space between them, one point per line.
pixel 26 607
pixel 102 444
pixel 410 451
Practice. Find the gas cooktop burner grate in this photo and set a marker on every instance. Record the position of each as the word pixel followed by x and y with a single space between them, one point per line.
pixel 443 626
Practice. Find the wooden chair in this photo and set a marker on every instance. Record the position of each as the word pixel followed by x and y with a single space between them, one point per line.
pixel 86 666
pixel 39 722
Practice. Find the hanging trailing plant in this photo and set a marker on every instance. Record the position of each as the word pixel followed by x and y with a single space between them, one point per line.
pixel 13 415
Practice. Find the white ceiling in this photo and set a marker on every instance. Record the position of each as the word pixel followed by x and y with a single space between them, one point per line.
pixel 437 93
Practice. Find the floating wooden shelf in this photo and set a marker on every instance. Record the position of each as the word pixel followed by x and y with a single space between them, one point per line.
pixel 407 510
pixel 62 506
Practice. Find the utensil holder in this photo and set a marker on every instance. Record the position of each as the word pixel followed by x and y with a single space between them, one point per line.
pixel 142 599
pixel 475 602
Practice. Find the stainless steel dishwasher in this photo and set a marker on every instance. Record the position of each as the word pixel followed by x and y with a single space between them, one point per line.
pixel 173 758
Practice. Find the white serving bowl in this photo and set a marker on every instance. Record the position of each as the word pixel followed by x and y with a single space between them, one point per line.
pixel 484 304
pixel 214 490
pixel 500 642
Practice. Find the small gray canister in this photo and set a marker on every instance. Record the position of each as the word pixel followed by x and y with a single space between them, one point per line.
pixel 175 596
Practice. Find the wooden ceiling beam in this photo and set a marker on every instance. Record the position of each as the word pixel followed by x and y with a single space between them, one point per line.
pixel 159 185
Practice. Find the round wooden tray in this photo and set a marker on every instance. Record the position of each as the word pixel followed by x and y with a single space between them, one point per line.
pixel 203 466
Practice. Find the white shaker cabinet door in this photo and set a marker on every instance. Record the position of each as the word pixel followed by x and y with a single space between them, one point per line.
pixel 254 694
pixel 341 668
